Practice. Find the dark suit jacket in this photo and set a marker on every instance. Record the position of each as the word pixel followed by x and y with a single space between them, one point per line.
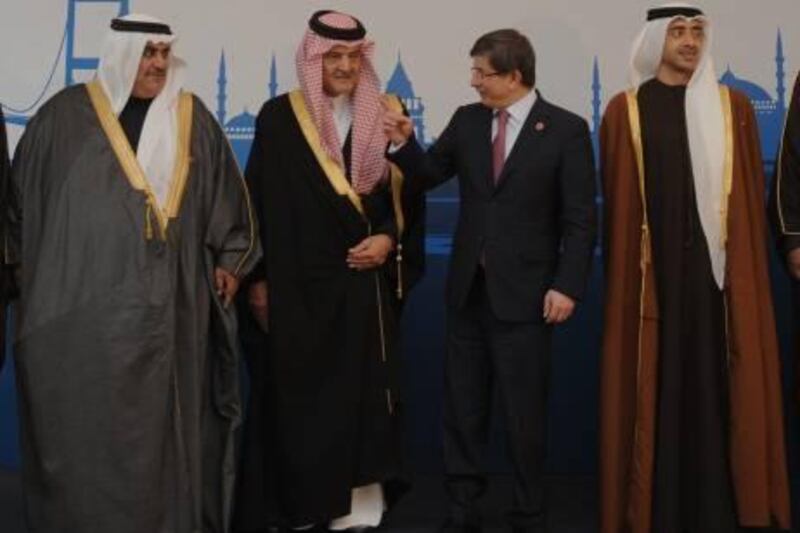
pixel 536 228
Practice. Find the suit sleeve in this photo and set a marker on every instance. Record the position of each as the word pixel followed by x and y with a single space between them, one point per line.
pixel 426 171
pixel 578 219
pixel 388 224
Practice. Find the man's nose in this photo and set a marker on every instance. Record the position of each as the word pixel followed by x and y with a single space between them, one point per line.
pixel 475 80
pixel 160 61
pixel 691 40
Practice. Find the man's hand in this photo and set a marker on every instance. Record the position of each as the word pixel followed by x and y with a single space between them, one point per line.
pixel 370 253
pixel 557 307
pixel 227 284
pixel 397 127
pixel 257 297
pixel 793 263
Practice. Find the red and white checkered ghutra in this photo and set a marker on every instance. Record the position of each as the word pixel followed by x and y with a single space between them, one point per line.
pixel 368 165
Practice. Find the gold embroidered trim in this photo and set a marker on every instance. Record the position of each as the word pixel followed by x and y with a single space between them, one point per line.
pixel 130 165
pixel 332 170
pixel 183 156
pixel 644 260
pixel 727 173
pixel 396 183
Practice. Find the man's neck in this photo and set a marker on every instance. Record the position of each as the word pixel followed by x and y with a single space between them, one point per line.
pixel 671 76
pixel 139 100
pixel 339 101
pixel 515 97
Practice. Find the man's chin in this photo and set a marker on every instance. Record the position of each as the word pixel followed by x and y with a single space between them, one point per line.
pixel 488 102
pixel 688 68
pixel 333 92
pixel 147 92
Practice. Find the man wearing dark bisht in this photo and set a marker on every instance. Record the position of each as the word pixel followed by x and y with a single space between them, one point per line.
pixel 342 244
pixel 785 210
pixel 691 415
pixel 6 276
pixel 132 226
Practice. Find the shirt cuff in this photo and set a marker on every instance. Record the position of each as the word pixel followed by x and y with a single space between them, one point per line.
pixel 395 147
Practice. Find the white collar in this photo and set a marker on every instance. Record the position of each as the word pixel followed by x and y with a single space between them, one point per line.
pixel 341 105
pixel 519 110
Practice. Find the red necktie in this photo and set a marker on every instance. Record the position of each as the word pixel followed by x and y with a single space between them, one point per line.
pixel 499 144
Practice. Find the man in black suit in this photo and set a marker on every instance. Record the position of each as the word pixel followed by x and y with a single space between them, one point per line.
pixel 521 256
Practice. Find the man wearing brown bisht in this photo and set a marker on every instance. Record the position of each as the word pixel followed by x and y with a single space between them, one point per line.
pixel 691 419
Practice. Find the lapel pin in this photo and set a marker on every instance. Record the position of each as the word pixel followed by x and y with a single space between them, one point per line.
pixel 539 126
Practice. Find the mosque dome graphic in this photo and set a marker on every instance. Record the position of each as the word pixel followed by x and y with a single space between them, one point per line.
pixel 241 130
pixel 768 111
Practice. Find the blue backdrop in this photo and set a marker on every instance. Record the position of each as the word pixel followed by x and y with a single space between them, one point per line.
pixel 574 387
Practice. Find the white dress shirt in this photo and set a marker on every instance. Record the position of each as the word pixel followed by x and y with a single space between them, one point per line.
pixel 517 113
pixel 342 116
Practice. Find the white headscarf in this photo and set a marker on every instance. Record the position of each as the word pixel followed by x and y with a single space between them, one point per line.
pixel 705 125
pixel 119 63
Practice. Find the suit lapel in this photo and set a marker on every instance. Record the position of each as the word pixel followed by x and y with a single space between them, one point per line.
pixel 533 131
pixel 483 144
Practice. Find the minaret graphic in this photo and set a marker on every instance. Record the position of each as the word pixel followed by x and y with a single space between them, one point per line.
pixel 240 129
pixel 596 103
pixel 222 83
pixel 273 78
pixel 781 75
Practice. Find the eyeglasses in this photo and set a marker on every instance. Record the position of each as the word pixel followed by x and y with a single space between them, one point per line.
pixel 480 75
